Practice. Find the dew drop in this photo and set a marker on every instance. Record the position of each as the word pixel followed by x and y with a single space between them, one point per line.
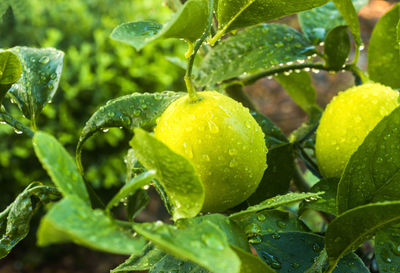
pixel 44 60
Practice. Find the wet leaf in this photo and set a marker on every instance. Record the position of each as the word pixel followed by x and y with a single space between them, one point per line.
pixel 349 13
pixel 350 229
pixel 170 263
pixel 188 23
pixel 295 252
pixel 383 51
pixel 234 14
pixel 60 166
pixel 136 203
pixel 372 173
pixel 273 135
pixel 387 249
pixel 203 243
pixel 10 71
pixel 15 220
pixel 277 201
pixel 337 47
pixel 175 173
pixel 251 263
pixel 41 71
pixel 314 22
pixel 71 219
pixel 260 47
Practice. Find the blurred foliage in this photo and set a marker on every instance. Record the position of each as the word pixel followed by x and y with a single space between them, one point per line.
pixel 96 69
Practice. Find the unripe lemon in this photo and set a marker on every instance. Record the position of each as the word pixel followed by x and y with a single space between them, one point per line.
pixel 347 120
pixel 223 142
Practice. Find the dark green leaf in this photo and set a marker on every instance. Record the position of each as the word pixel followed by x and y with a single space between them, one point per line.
pixel 300 89
pixel 131 111
pixel 277 176
pixel 337 47
pixel 255 48
pixel 387 249
pixel 131 187
pixel 60 166
pixel 188 23
pixel 355 226
pixel 273 135
pixel 136 203
pixel 175 173
pixel 41 71
pixel 203 243
pixel 316 23
pixel 141 261
pixel 170 263
pixel 234 14
pixel 383 51
pixel 133 166
pixel 277 201
pixel 373 172
pixel 295 252
pixel 71 219
pixel 349 13
pixel 328 201
pixel 251 263
pixel 15 220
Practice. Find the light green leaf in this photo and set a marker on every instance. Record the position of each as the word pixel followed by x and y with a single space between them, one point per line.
pixel 10 71
pixel 175 173
pixel 72 220
pixel 60 166
pixel 349 14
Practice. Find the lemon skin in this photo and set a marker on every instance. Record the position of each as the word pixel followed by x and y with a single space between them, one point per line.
pixel 223 142
pixel 347 120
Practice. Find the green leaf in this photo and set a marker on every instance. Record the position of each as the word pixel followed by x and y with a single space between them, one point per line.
pixel 349 13
pixel 260 47
pixel 315 24
pixel 295 252
pixel 387 248
pixel 188 23
pixel 234 14
pixel 10 71
pixel 350 229
pixel 251 263
pixel 71 219
pixel 372 173
pixel 41 71
pixel 136 203
pixel 277 176
pixel 300 89
pixel 170 263
pixel 130 111
pixel 175 173
pixel 337 47
pixel 328 201
pixel 273 135
pixel 141 261
pixel 131 187
pixel 203 243
pixel 60 166
pixel 383 51
pixel 15 220
pixel 277 201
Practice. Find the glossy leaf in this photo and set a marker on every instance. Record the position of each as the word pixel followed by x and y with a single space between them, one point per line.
pixel 372 173
pixel 170 263
pixel 188 23
pixel 260 47
pixel 349 13
pixel 73 220
pixel 327 202
pixel 300 89
pixel 337 47
pixel 203 243
pixel 60 166
pixel 295 252
pixel 277 176
pixel 234 14
pixel 387 249
pixel 315 24
pixel 175 173
pixel 251 263
pixel 383 51
pixel 10 71
pixel 41 71
pixel 130 111
pixel 15 220
pixel 350 229
pixel 136 203
pixel 277 201
pixel 273 135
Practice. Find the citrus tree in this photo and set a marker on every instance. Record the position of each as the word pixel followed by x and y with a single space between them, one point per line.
pixel 242 196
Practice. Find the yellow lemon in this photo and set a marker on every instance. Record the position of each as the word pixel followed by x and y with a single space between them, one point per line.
pixel 222 141
pixel 347 120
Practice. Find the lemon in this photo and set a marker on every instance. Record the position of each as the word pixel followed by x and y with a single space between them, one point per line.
pixel 347 120
pixel 223 142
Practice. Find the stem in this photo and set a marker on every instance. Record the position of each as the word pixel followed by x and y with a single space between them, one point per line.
pixel 10 120
pixel 123 223
pixel 357 71
pixel 235 91
pixel 193 96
